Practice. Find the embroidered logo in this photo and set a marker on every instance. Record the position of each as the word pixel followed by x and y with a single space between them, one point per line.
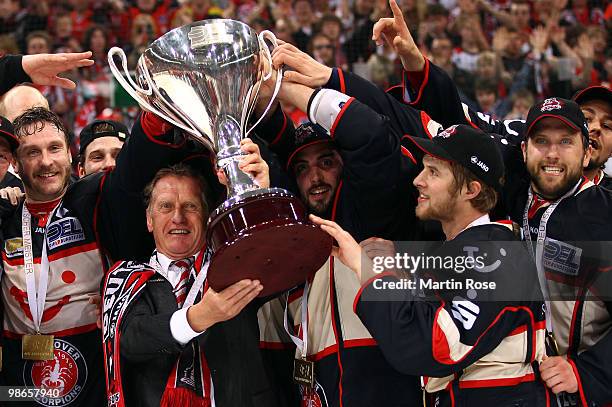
pixel 67 372
pixel 551 104
pixel 448 132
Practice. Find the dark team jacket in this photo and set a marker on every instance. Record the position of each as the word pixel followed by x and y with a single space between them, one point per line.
pixel 100 216
pixel 583 219
pixel 372 200
pixel 460 337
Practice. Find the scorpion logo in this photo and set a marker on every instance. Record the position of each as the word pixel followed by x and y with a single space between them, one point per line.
pixel 53 377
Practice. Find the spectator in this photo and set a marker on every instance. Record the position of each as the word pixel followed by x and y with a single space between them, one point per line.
pixel 8 45
pixel 304 18
pixel 381 70
pixel 486 96
pixel 521 101
pixel 63 38
pixel 331 26
pixel 472 43
pixel 38 42
pixel 322 50
pixel 181 17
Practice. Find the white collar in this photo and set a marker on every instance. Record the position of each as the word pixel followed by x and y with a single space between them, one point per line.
pixel 173 276
pixel 483 220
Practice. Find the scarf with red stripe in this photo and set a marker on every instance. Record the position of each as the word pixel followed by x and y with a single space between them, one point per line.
pixel 189 383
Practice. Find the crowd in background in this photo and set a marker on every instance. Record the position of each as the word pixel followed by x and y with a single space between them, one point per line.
pixel 502 54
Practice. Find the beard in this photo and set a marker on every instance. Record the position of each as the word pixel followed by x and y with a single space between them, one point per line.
pixel 37 191
pixel 553 190
pixel 441 210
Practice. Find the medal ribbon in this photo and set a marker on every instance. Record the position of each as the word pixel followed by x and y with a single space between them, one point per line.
pixel 302 345
pixel 36 298
pixel 539 250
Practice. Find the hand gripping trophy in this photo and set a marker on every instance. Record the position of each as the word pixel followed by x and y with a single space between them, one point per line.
pixel 204 78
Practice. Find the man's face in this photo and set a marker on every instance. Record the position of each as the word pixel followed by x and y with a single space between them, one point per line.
pixel 554 156
pixel 317 170
pixel 599 117
pixel 43 163
pixel 6 157
pixel 322 51
pixel 8 8
pixel 38 45
pixel 441 48
pixel 331 29
pixel 435 183
pixel 176 216
pixel 521 14
pixel 303 12
pixel 100 155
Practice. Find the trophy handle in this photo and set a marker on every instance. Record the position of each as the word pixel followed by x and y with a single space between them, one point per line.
pixel 266 34
pixel 134 90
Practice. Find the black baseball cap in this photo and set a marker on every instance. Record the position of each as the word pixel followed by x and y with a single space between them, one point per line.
pixel 7 131
pixel 306 135
pixel 562 109
pixel 593 93
pixel 469 147
pixel 100 128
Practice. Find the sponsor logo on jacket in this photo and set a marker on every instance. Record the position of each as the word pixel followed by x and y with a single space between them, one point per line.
pixel 561 257
pixel 64 231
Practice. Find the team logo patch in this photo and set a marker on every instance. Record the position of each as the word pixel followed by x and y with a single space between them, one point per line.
pixel 561 257
pixel 67 372
pixel 551 104
pixel 64 231
pixel 448 132
pixel 13 247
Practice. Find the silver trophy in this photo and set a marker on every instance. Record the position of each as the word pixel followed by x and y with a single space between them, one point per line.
pixel 205 78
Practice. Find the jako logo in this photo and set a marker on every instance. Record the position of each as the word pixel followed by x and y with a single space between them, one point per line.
pixel 479 163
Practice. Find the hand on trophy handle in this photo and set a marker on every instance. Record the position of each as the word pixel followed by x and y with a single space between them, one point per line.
pixel 306 70
pixel 251 163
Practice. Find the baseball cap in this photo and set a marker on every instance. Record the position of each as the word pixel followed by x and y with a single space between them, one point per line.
pixel 306 135
pixel 469 147
pixel 100 128
pixel 562 109
pixel 593 93
pixel 7 131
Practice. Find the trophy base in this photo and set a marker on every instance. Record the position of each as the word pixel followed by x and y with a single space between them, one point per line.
pixel 265 237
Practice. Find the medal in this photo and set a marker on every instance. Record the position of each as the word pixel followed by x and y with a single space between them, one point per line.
pixel 303 372
pixel 303 369
pixel 37 347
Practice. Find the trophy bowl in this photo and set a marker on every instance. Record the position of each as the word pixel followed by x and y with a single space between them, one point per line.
pixel 205 79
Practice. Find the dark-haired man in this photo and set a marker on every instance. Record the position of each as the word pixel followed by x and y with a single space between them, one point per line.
pixel 100 143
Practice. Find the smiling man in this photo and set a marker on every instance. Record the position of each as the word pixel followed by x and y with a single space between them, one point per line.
pixel 100 143
pixel 175 341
